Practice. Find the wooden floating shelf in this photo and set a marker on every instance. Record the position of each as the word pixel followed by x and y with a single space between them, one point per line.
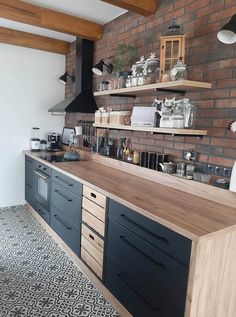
pixel 192 132
pixel 178 86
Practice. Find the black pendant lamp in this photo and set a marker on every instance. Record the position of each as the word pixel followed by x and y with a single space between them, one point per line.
pixel 227 34
pixel 64 78
pixel 98 68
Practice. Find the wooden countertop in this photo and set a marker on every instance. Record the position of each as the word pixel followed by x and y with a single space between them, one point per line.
pixel 185 213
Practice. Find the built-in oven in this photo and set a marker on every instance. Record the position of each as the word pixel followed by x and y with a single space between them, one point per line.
pixel 43 184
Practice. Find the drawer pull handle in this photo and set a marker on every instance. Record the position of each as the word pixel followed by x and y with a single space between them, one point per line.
pixel 41 212
pixel 91 237
pixel 93 195
pixel 59 193
pixel 60 179
pixel 144 229
pixel 56 216
pixel 131 245
pixel 120 275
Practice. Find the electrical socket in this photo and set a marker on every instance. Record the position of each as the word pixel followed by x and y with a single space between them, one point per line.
pixel 219 170
pixel 227 172
pixel 210 169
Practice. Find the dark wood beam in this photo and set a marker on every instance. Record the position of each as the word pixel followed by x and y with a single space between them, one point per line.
pixel 9 36
pixel 23 12
pixel 142 7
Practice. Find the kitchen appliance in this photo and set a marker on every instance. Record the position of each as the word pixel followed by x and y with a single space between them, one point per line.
pixel 35 141
pixel 143 116
pixel 83 101
pixel 54 140
pixel 43 184
pixel 53 158
pixel 232 186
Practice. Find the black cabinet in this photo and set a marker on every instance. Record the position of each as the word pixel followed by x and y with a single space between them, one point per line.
pixel 146 264
pixel 30 180
pixel 66 201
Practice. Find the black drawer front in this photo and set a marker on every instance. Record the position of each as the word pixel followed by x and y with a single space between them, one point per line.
pixel 67 202
pixel 43 212
pixel 167 240
pixel 163 277
pixel 30 193
pixel 132 295
pixel 69 233
pixel 67 182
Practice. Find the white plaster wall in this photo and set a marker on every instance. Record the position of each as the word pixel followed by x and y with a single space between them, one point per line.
pixel 28 87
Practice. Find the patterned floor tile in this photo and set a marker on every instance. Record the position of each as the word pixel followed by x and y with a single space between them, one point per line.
pixel 37 279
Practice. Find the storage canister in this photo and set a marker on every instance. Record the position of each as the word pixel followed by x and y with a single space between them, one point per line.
pixel 98 117
pixel 124 117
pixel 105 117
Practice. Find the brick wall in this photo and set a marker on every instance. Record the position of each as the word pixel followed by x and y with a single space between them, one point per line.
pixel 207 60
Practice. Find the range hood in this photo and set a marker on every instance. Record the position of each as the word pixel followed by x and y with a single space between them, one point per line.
pixel 83 101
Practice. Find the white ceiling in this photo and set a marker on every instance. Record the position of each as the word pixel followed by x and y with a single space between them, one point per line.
pixel 92 10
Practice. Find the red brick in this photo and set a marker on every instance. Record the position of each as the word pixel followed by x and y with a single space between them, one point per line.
pixel 226 103
pixel 184 146
pixel 215 132
pixel 217 74
pixel 210 9
pixel 220 123
pixel 196 5
pixel 212 113
pixel 231 153
pixel 222 14
pixel 226 83
pixel 223 142
pixel 227 63
pixel 221 161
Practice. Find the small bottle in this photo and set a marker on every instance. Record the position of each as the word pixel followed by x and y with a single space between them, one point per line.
pixel 136 157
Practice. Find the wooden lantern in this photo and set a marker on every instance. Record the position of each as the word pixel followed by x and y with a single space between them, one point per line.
pixel 172 47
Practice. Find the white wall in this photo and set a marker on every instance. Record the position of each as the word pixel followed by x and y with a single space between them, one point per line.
pixel 28 87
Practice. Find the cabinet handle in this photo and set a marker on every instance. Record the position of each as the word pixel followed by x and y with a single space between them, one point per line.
pixel 40 211
pixel 60 179
pixel 144 229
pixel 56 216
pixel 91 237
pixel 59 193
pixel 120 275
pixel 29 185
pixel 93 195
pixel 142 253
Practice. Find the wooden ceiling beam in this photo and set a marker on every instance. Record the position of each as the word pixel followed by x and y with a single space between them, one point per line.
pixel 142 7
pixel 9 36
pixel 23 12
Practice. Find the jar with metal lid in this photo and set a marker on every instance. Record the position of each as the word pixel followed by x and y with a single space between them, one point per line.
pixel 134 80
pixel 140 79
pixel 128 82
pixel 152 66
pixel 138 66
pixel 181 169
pixel 179 71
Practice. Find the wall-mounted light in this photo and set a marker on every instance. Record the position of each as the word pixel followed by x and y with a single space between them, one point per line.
pixel 98 68
pixel 64 78
pixel 227 34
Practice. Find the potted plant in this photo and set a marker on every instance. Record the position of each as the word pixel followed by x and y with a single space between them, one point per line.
pixel 124 57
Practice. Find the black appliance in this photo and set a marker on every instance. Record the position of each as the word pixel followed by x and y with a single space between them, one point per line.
pixel 55 158
pixel 43 185
pixel 83 101
pixel 54 140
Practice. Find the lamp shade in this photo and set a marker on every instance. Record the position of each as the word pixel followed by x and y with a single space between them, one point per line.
pixel 227 34
pixel 98 68
pixel 63 78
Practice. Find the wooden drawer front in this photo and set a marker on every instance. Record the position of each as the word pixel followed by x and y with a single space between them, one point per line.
pixel 69 233
pixel 133 296
pixel 94 209
pixel 42 211
pixel 67 202
pixel 167 240
pixel 93 222
pixel 67 182
pixel 94 239
pixel 95 196
pixel 157 272
pixel 92 250
pixel 92 263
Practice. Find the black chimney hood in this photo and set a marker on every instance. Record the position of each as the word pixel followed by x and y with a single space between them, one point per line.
pixel 84 101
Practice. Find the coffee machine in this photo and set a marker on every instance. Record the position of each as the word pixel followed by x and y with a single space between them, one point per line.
pixel 54 140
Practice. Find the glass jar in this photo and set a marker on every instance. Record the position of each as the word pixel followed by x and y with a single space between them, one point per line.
pixel 134 80
pixel 140 79
pixel 189 114
pixel 128 82
pixel 153 70
pixel 179 71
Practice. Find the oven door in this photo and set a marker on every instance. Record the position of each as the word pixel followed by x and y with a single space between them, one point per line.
pixel 42 188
